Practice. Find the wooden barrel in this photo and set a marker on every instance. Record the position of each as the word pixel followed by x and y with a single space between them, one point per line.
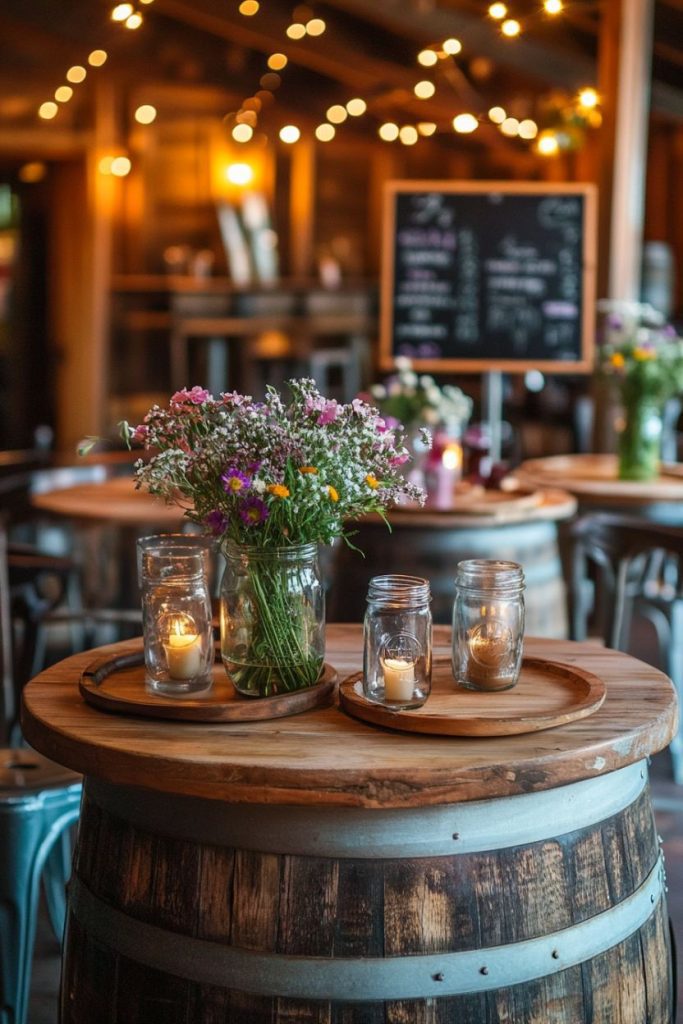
pixel 544 906
pixel 425 545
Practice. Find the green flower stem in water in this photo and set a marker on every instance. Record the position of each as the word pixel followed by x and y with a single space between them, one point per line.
pixel 639 443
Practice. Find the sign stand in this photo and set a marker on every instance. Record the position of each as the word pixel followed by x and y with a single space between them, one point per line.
pixel 493 412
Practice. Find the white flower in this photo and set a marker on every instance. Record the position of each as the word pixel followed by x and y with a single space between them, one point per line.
pixel 402 363
pixel 378 391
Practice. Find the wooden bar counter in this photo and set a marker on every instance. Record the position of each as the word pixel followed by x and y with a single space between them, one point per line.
pixel 318 869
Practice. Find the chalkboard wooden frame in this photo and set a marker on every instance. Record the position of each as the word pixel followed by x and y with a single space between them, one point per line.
pixel 477 365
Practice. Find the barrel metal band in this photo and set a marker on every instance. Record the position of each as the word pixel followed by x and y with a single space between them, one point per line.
pixel 352 979
pixel 361 833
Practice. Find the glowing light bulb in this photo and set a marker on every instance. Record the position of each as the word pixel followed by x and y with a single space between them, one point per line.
pixel 588 98
pixel 451 46
pixel 120 166
pixel 145 114
pixel 242 132
pixel 388 131
pixel 510 127
pixel 553 6
pixel 47 110
pixel 239 174
pixel 511 28
pixel 97 58
pixel 465 123
pixel 249 8
pixel 296 30
pixel 76 74
pixel 356 107
pixel 427 58
pixel 498 11
pixel 336 113
pixel 289 134
pixel 325 132
pixel 528 129
pixel 64 93
pixel 121 12
pixel 547 144
pixel 424 90
pixel 134 21
pixel 497 115
pixel 277 61
pixel 426 128
pixel 315 27
pixel 408 135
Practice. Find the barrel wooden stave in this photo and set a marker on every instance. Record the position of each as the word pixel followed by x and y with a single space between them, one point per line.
pixel 330 907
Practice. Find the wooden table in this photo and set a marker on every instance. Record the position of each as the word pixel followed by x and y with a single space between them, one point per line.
pixel 593 479
pixel 430 542
pixel 315 868
pixel 113 501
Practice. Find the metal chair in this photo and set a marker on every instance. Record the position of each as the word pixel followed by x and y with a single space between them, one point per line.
pixel 639 571
pixel 39 800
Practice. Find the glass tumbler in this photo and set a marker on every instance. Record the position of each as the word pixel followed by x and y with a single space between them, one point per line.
pixel 173 572
pixel 397 659
pixel 488 624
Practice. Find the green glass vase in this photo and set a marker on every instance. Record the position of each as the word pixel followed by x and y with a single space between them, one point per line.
pixel 639 443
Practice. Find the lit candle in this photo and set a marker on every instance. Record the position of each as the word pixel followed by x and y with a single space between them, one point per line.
pixel 491 664
pixel 399 679
pixel 183 654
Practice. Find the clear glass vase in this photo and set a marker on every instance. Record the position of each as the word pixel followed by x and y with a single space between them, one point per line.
pixel 272 611
pixel 640 441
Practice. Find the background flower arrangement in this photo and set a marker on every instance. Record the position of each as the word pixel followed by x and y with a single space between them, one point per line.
pixel 410 399
pixel 272 479
pixel 643 357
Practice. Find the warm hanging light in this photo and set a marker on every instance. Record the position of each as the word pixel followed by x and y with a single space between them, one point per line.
pixel 408 135
pixel 239 173
pixel 465 123
pixel 424 90
pixel 134 21
pixel 336 113
pixel 497 115
pixel 47 110
pixel 426 128
pixel 356 107
pixel 32 172
pixel 325 132
pixel 315 27
pixel 451 46
pixel 588 98
pixel 121 12
pixel 296 30
pixel 242 132
pixel 511 28
pixel 388 131
pixel 277 61
pixel 120 166
pixel 510 127
pixel 249 8
pixel 553 6
pixel 528 129
pixel 97 58
pixel 498 11
pixel 290 134
pixel 76 74
pixel 145 114
pixel 64 93
pixel 547 144
pixel 427 58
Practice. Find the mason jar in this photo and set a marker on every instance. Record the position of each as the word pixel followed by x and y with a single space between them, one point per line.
pixel 397 657
pixel 173 572
pixel 272 618
pixel 488 624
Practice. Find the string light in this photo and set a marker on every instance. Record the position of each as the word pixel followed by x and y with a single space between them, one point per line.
pixel 76 74
pixel 120 166
pixel 242 132
pixel 511 28
pixel 547 144
pixel 408 135
pixel 290 134
pixel 121 12
pixel 32 172
pixel 388 131
pixel 325 132
pixel 427 58
pixel 497 115
pixel 510 127
pixel 356 107
pixel 249 8
pixel 97 58
pixel 336 113
pixel 424 90
pixel 451 46
pixel 553 6
pixel 48 110
pixel 64 93
pixel 465 123
pixel 498 11
pixel 145 114
pixel 296 30
pixel 588 98
pixel 528 129
pixel 426 128
pixel 134 21
pixel 315 27
pixel 239 174
pixel 277 61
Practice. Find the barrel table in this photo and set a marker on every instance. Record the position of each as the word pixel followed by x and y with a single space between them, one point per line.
pixel 318 869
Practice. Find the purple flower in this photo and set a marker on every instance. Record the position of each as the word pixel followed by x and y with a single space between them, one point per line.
pixel 253 511
pixel 195 396
pixel 234 480
pixel 615 321
pixel 216 522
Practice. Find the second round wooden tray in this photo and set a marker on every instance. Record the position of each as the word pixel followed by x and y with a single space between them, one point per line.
pixel 547 694
pixel 118 685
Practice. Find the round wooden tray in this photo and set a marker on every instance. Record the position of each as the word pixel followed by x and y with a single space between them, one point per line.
pixel 118 685
pixel 547 694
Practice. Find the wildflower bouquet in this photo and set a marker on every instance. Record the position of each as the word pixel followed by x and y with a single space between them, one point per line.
pixel 272 480
pixel 643 357
pixel 411 399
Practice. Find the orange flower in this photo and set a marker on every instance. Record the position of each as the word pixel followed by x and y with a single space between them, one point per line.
pixel 643 354
pixel 279 490
pixel 617 361
pixel 333 493
pixel 307 469
pixel 372 481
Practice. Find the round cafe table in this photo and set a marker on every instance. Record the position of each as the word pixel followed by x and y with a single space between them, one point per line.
pixel 114 501
pixel 317 868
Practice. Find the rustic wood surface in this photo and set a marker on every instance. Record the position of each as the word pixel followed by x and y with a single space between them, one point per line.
pixel 118 685
pixel 326 757
pixel 114 501
pixel 547 694
pixel 595 476
pixel 480 508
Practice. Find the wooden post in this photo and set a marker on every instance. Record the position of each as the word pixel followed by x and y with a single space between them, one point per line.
pixel 624 73
pixel 302 208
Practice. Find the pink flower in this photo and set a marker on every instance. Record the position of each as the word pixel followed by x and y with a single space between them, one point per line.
pixel 195 396
pixel 140 434
pixel 399 459
pixel 329 413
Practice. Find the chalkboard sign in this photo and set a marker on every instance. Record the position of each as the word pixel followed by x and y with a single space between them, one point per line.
pixel 489 276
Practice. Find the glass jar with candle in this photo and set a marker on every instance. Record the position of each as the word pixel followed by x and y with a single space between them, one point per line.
pixel 488 624
pixel 176 612
pixel 397 660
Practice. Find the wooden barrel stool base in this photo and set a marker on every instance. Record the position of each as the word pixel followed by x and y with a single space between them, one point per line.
pixel 540 907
